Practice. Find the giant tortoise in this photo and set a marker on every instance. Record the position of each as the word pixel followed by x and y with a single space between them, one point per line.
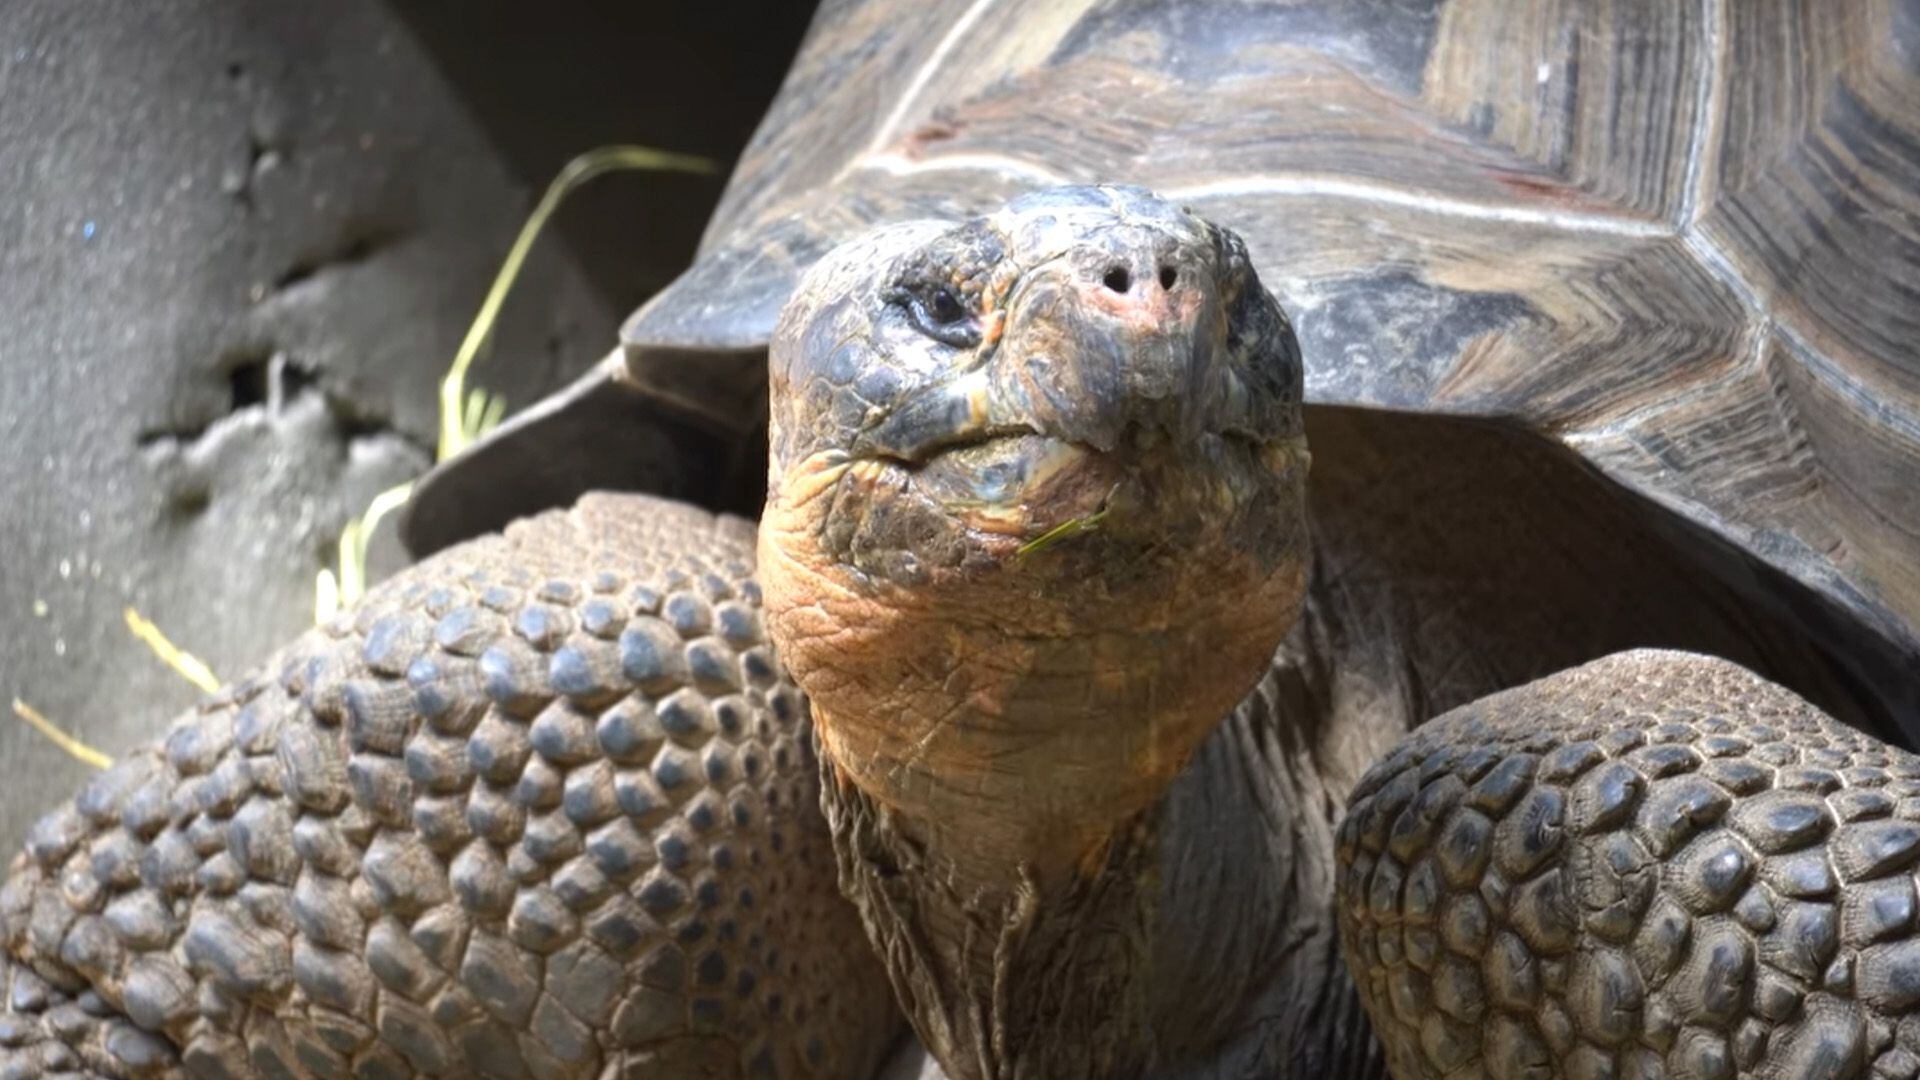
pixel 1554 731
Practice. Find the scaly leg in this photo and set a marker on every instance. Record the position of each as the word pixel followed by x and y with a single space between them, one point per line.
pixel 1657 864
pixel 544 805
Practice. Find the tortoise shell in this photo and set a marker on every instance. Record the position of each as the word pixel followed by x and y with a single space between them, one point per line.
pixel 1681 240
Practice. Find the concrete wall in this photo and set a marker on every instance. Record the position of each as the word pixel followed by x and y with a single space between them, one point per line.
pixel 239 242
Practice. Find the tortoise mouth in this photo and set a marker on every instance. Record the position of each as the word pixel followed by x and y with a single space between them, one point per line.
pixel 985 501
pixel 1015 484
pixel 961 439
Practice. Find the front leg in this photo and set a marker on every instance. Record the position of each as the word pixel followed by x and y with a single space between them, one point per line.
pixel 544 806
pixel 1657 864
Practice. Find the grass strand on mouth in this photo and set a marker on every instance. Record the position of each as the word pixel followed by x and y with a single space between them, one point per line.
pixel 1063 531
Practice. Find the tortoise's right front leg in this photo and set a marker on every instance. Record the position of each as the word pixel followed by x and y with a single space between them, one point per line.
pixel 544 806
pixel 1658 864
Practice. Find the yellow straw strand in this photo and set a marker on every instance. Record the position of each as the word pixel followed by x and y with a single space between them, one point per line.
pixel 73 747
pixel 352 569
pixel 496 412
pixel 383 504
pixel 335 591
pixel 1061 532
pixel 189 666
pixel 466 415
pixel 454 435
pixel 326 595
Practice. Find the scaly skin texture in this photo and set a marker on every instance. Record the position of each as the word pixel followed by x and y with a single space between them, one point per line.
pixel 1034 525
pixel 542 806
pixel 1657 864
pixel 1206 941
pixel 545 806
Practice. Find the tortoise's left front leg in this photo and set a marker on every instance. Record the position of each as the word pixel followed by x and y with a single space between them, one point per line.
pixel 541 806
pixel 1655 865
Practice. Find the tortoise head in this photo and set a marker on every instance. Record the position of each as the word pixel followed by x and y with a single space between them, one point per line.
pixel 1035 516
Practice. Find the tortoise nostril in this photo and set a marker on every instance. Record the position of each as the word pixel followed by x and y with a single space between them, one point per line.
pixel 1118 279
pixel 1168 275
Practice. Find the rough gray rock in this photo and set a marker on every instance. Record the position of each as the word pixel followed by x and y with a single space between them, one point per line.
pixel 238 244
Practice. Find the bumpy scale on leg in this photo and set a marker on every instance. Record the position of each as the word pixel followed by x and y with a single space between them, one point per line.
pixel 543 806
pixel 1654 865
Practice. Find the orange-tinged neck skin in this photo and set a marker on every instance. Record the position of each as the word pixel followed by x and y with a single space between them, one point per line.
pixel 1035 525
pixel 1021 704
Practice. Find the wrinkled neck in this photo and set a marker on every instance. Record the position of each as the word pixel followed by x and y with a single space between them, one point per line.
pixel 1007 969
pixel 1017 811
pixel 1200 942
pixel 1247 974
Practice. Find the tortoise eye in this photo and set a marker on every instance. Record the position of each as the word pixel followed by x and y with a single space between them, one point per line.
pixel 944 307
pixel 939 313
